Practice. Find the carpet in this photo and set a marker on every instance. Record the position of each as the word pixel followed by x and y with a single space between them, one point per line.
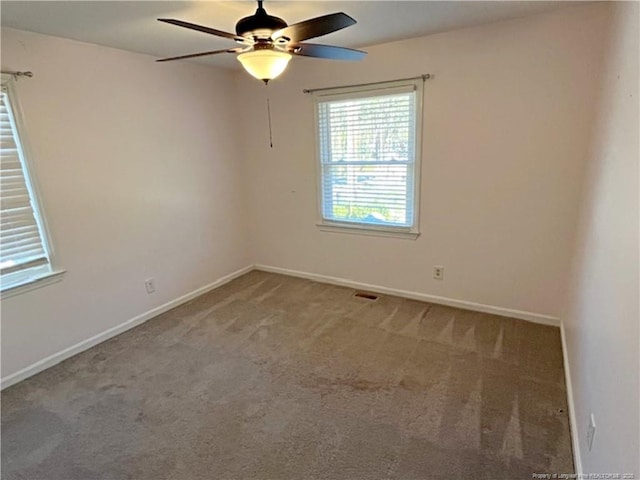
pixel 275 377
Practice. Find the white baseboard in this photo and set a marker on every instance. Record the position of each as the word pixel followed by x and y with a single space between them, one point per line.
pixel 451 302
pixel 575 443
pixel 58 357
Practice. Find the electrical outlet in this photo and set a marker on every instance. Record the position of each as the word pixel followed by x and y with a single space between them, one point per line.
pixel 150 285
pixel 438 273
pixel 591 431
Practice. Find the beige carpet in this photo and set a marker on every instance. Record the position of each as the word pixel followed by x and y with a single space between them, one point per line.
pixel 273 377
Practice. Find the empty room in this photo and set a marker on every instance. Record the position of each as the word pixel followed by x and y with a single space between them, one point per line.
pixel 352 240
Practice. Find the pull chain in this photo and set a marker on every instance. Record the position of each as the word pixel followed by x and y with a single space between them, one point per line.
pixel 266 84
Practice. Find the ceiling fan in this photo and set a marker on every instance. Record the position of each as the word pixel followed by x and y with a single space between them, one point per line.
pixel 268 43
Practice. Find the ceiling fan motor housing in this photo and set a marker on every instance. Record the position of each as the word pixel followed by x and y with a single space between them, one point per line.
pixel 259 25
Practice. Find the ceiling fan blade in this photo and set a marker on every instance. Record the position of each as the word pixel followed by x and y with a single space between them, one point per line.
pixel 315 27
pixel 326 51
pixel 201 54
pixel 201 28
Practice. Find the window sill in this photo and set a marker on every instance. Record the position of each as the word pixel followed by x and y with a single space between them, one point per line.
pixel 365 230
pixel 32 284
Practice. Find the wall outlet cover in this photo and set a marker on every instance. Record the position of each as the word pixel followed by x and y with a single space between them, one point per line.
pixel 438 273
pixel 150 285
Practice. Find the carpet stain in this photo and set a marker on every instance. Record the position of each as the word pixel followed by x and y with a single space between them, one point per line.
pixel 326 385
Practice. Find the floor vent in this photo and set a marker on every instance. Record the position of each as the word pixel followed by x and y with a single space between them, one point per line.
pixel 368 296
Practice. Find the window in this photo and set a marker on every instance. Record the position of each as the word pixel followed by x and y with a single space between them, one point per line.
pixel 369 155
pixel 24 256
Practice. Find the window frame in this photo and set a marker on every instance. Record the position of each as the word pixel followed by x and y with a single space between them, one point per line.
pixel 366 91
pixel 35 277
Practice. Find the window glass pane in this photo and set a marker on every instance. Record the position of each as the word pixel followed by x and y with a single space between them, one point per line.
pixel 370 192
pixel 23 252
pixel 367 154
pixel 370 129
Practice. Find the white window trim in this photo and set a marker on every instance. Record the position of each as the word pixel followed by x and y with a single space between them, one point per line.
pixel 38 279
pixel 325 225
pixel 32 283
pixel 366 229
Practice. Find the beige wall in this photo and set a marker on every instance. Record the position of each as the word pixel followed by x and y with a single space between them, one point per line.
pixel 602 314
pixel 507 122
pixel 137 167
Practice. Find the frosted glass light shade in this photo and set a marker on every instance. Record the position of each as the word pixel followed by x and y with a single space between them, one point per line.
pixel 264 64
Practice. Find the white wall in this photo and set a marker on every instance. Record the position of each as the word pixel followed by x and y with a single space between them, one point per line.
pixel 602 314
pixel 507 122
pixel 138 171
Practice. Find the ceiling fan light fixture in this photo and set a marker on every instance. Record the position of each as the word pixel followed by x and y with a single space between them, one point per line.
pixel 264 64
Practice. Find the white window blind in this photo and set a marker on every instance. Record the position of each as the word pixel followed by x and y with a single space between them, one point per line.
pixel 23 250
pixel 367 144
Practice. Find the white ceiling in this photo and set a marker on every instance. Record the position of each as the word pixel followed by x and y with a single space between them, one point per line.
pixel 132 25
